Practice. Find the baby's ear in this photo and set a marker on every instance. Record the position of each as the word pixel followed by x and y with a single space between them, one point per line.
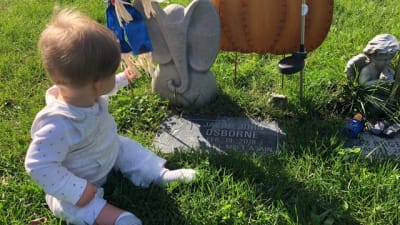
pixel 97 86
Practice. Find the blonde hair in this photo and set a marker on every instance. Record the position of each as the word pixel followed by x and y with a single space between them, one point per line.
pixel 77 50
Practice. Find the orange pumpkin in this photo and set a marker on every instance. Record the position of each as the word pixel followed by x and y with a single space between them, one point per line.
pixel 272 26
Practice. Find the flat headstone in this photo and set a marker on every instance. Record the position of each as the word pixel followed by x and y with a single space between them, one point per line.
pixel 376 146
pixel 220 133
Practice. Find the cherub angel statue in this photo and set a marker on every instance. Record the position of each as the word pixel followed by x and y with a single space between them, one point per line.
pixel 374 64
pixel 373 72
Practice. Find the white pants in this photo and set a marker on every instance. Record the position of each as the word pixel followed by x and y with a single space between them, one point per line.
pixel 138 164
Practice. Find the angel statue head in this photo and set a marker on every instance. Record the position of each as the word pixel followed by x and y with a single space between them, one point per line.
pixel 382 49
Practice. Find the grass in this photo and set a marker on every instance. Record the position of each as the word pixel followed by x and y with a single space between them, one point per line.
pixel 312 179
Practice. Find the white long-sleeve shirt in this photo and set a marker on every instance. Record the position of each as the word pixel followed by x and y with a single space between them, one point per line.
pixel 71 145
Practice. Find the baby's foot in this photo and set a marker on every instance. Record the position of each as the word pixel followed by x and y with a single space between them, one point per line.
pixel 182 175
pixel 127 218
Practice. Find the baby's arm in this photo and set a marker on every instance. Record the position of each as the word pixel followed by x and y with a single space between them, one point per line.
pixel 123 79
pixel 43 162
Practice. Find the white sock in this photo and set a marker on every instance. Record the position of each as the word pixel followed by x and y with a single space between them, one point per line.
pixel 127 218
pixel 182 175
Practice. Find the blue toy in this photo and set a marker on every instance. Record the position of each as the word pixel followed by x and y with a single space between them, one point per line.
pixel 131 33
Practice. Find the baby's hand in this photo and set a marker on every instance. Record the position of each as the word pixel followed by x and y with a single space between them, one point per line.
pixel 131 73
pixel 87 195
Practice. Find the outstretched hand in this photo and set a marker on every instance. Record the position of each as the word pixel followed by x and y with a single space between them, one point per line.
pixel 131 74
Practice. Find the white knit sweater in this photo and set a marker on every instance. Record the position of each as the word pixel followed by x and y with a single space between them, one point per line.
pixel 71 145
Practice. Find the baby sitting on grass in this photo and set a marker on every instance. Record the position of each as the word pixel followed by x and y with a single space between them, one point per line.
pixel 75 143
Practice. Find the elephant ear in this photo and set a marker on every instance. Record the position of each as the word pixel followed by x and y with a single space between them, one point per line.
pixel 203 34
pixel 161 53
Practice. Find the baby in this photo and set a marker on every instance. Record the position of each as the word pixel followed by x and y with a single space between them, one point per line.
pixel 75 143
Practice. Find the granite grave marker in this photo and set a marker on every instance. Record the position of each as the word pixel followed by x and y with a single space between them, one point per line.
pixel 379 147
pixel 221 133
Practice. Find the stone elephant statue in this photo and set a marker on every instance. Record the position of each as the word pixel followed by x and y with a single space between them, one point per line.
pixel 186 42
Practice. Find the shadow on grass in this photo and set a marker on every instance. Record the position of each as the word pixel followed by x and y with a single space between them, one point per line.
pixel 153 205
pixel 305 204
pixel 222 105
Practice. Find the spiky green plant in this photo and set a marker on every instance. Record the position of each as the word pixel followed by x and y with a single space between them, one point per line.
pixel 376 102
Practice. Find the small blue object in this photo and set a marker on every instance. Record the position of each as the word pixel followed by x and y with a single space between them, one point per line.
pixel 353 128
pixel 133 36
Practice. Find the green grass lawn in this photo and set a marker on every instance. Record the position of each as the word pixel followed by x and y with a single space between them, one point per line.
pixel 311 179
